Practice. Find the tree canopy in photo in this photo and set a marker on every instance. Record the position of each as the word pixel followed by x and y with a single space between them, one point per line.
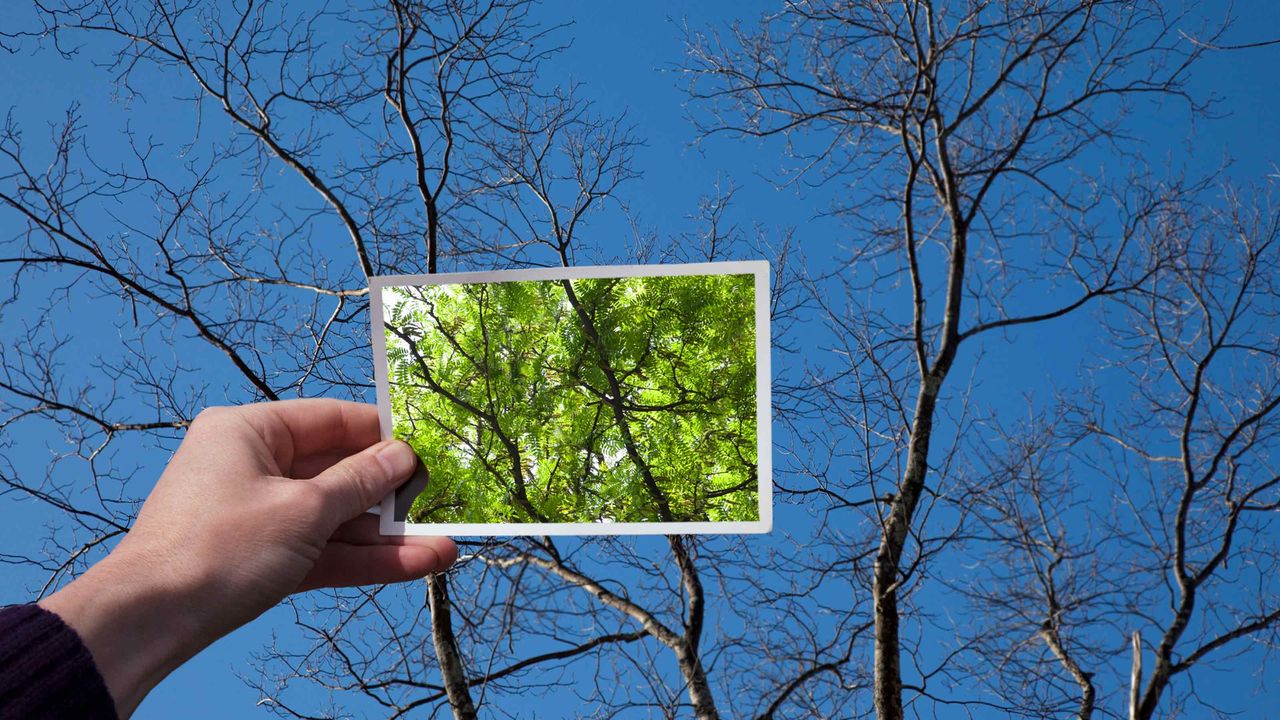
pixel 585 401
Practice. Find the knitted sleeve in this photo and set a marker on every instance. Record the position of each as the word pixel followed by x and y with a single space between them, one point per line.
pixel 46 672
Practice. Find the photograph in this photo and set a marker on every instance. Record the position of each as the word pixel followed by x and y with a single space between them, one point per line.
pixel 578 400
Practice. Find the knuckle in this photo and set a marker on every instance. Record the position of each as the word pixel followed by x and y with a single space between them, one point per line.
pixel 210 415
pixel 351 477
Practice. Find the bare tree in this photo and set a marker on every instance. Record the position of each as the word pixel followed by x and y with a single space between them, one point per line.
pixel 426 138
pixel 1045 588
pixel 1194 452
pixel 949 135
pixel 433 73
pixel 1134 518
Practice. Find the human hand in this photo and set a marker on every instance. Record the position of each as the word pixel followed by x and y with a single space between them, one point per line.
pixel 258 502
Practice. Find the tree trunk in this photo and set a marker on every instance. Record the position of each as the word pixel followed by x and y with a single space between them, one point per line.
pixel 704 704
pixel 1135 676
pixel 1088 694
pixel 887 695
pixel 451 667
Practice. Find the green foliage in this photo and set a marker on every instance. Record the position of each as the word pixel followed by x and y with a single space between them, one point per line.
pixel 594 400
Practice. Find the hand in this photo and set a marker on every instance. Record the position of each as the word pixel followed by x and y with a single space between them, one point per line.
pixel 258 502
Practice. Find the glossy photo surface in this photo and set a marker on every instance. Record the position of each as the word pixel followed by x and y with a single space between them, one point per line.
pixel 590 404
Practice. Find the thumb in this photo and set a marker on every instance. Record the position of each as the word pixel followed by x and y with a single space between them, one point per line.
pixel 358 482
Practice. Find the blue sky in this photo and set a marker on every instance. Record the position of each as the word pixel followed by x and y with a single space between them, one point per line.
pixel 624 54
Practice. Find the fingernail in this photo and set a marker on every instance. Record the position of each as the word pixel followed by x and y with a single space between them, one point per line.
pixel 398 458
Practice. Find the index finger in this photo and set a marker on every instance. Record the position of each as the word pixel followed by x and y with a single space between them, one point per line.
pixel 303 427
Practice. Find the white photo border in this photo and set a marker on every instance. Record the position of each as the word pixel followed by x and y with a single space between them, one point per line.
pixel 388 525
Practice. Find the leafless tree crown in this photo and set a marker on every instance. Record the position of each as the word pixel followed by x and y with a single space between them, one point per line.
pixel 1080 555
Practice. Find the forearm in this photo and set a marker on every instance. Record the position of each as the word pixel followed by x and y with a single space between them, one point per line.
pixel 139 626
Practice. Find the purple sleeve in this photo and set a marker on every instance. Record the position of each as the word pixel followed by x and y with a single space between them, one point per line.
pixel 46 671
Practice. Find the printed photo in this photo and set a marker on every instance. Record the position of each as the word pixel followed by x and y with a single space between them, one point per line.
pixel 578 400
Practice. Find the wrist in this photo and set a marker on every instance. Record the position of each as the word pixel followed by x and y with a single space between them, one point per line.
pixel 138 624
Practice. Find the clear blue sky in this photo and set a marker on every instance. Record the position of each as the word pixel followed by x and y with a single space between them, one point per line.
pixel 618 53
